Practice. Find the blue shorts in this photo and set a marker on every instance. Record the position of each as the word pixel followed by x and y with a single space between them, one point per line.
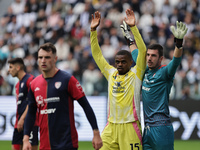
pixel 158 138
pixel 18 136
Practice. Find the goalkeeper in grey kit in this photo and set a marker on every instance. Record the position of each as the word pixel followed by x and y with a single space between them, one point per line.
pixel 158 132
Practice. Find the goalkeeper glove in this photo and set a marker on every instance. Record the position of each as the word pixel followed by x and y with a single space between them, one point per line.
pixel 125 31
pixel 179 33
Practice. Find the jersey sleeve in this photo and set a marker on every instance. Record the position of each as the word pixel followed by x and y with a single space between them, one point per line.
pixel 75 89
pixel 89 112
pixel 31 114
pixel 29 81
pixel 172 66
pixel 141 61
pixel 134 55
pixel 98 56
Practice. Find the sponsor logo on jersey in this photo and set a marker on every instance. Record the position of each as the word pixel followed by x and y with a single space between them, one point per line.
pixel 19 102
pixel 37 89
pixel 145 88
pixel 115 76
pixel 117 88
pixel 145 80
pixel 118 84
pixel 57 85
pixel 79 86
pixel 22 84
pixel 20 95
pixel 52 99
pixel 48 111
pixel 39 100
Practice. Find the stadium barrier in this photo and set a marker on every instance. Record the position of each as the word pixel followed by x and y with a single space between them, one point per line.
pixel 185 117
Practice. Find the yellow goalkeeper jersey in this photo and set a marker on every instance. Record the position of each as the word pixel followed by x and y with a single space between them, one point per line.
pixel 123 90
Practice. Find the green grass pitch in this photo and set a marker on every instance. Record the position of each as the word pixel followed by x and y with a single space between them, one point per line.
pixel 178 145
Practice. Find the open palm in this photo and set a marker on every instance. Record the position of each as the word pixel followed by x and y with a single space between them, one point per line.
pixel 95 20
pixel 130 19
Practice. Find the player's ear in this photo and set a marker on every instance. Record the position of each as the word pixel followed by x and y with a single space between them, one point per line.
pixel 17 67
pixel 131 62
pixel 160 59
pixel 56 58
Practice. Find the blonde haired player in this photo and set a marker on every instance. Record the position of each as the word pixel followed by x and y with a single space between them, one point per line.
pixel 123 130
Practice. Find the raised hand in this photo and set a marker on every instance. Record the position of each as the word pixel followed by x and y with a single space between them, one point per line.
pixel 180 30
pixel 95 20
pixel 130 19
pixel 179 33
pixel 126 34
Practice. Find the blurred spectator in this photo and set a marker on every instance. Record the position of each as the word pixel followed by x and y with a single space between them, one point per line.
pixel 70 18
pixel 85 15
pixel 41 19
pixel 108 50
pixel 18 6
pixel 31 67
pixel 53 18
pixel 166 8
pixel 11 50
pixel 63 49
pixel 70 64
pixel 23 38
pixel 12 26
pixel 91 79
pixel 48 5
pixel 148 7
pixel 5 88
pixel 32 6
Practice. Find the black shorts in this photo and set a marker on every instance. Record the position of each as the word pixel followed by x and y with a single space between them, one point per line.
pixel 18 136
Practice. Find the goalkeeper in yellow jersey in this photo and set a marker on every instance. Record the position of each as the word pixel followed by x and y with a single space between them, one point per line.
pixel 123 129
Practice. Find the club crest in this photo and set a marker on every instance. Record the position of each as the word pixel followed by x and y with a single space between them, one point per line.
pixel 57 85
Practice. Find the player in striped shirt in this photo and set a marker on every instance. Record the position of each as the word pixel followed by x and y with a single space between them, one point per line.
pixel 123 130
pixel 53 93
pixel 16 69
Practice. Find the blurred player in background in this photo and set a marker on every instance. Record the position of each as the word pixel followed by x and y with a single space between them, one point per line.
pixel 53 93
pixel 16 69
pixel 123 130
pixel 156 86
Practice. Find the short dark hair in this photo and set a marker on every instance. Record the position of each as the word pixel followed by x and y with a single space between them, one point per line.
pixel 156 47
pixel 17 61
pixel 49 47
pixel 125 52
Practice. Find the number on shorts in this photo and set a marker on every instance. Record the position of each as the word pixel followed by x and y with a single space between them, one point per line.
pixel 136 145
pixel 31 135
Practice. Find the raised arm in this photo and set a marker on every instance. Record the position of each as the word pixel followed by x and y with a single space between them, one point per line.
pixel 130 40
pixel 130 21
pixel 96 18
pixel 179 33
pixel 96 51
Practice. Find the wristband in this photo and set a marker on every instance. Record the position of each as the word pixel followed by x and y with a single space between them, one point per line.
pixel 130 41
pixel 179 43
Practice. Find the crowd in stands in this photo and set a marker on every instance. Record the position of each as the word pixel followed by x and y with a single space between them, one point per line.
pixel 66 23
